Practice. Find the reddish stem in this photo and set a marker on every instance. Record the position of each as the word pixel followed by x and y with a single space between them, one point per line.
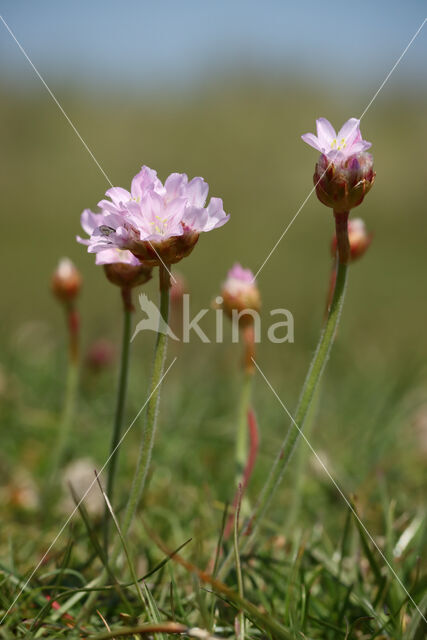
pixel 252 456
pixel 127 299
pixel 343 244
pixel 73 321
pixel 248 335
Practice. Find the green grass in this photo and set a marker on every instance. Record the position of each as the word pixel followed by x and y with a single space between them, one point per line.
pixel 311 573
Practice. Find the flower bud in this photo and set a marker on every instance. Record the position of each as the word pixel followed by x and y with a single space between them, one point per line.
pixel 178 289
pixel 239 292
pixel 66 281
pixel 359 239
pixel 343 182
pixel 100 355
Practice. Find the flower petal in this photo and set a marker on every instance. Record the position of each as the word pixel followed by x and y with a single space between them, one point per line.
pixel 113 256
pixel 196 218
pixel 175 184
pixel 118 195
pixel 312 140
pixel 325 133
pixel 109 206
pixel 216 215
pixel 144 181
pixel 350 131
pixel 90 220
pixel 197 192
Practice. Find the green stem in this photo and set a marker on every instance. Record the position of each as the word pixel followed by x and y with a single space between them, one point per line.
pixel 242 428
pixel 120 406
pixel 311 383
pixel 148 433
pixel 302 453
pixel 67 417
pixel 301 463
pixel 150 423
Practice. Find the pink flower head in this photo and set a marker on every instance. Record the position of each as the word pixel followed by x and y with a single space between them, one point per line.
pixel 91 221
pixel 347 142
pixel 344 172
pixel 240 291
pixel 238 273
pixel 156 222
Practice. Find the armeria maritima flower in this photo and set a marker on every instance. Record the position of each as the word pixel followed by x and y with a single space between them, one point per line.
pixel 240 291
pixel 121 267
pixel 344 172
pixel 157 223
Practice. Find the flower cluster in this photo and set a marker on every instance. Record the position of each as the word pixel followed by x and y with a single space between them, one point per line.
pixel 153 223
pixel 344 172
pixel 240 292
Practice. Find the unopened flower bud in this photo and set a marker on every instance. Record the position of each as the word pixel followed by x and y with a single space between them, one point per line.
pixel 240 292
pixel 178 288
pixel 100 355
pixel 359 239
pixel 342 183
pixel 66 281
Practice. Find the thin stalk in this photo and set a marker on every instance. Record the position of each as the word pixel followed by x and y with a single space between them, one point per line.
pixel 311 383
pixel 302 453
pixel 242 428
pixel 148 434
pixel 67 417
pixel 300 464
pixel 150 423
pixel 120 406
pixel 240 618
pixel 242 436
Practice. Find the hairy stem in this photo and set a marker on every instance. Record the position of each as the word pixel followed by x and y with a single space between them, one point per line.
pixel 242 428
pixel 120 406
pixel 311 383
pixel 150 423
pixel 73 323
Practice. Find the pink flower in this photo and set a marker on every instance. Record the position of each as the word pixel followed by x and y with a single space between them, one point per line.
pixel 347 142
pixel 121 267
pixel 91 221
pixel 240 275
pixel 239 291
pixel 344 172
pixel 156 222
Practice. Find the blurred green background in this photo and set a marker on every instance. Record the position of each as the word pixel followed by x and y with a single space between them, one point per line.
pixel 239 129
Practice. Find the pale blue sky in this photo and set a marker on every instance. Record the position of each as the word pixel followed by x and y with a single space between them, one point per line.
pixel 144 44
